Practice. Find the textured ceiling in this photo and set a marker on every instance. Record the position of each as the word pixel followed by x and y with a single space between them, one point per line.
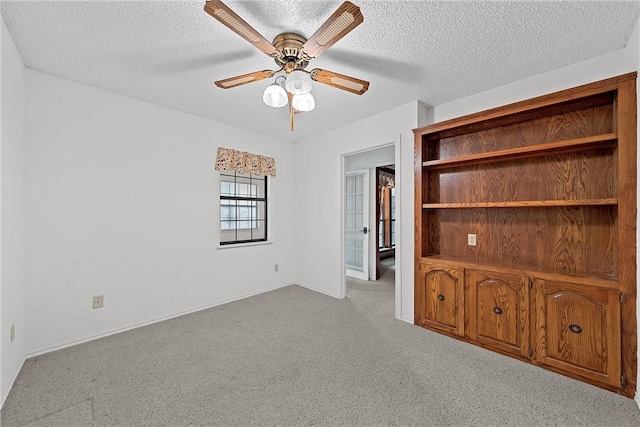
pixel 170 52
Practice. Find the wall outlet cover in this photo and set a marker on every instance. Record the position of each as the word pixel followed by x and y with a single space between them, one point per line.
pixel 471 239
pixel 98 301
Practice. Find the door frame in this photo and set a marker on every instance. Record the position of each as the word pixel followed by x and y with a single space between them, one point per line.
pixel 399 199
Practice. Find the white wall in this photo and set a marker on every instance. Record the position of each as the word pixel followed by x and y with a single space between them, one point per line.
pixel 123 202
pixel 371 158
pixel 12 202
pixel 318 195
pixel 598 68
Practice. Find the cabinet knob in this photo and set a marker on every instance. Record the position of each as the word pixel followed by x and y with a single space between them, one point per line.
pixel 497 310
pixel 441 297
pixel 575 329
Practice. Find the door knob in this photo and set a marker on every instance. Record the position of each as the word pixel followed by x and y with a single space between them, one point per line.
pixel 365 230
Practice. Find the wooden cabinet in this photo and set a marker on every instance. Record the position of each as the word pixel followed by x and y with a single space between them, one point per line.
pixel 498 311
pixel 439 299
pixel 578 329
pixel 547 187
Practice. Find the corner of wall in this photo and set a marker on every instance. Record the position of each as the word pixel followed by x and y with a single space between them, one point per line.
pixel 12 210
pixel 425 114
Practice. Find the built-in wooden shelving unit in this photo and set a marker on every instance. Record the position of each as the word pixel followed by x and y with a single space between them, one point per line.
pixel 547 189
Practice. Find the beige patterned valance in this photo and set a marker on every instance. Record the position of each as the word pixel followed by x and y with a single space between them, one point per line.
pixel 243 162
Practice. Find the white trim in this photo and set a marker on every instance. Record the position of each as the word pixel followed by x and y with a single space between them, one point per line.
pixel 320 291
pixel 382 164
pixel 404 319
pixel 343 272
pixel 398 250
pixel 244 245
pixel 150 322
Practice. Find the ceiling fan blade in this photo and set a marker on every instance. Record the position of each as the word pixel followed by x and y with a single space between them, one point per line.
pixel 228 17
pixel 244 79
pixel 340 81
pixel 343 20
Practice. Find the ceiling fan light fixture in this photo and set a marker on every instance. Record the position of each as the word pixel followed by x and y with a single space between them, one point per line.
pixel 304 103
pixel 275 96
pixel 298 83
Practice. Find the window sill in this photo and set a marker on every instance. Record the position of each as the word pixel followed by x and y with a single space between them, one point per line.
pixel 244 245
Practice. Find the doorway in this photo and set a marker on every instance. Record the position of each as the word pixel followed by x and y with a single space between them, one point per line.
pixel 355 164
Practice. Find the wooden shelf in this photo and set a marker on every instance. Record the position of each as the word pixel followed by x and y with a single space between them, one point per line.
pixel 588 279
pixel 604 140
pixel 522 204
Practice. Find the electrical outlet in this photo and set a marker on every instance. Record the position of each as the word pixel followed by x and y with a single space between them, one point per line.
pixel 276 268
pixel 13 332
pixel 98 301
pixel 471 239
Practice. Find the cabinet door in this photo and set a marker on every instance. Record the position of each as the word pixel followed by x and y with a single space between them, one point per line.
pixel 439 298
pixel 498 310
pixel 578 329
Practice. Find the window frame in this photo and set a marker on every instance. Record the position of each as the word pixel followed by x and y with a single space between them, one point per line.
pixel 232 177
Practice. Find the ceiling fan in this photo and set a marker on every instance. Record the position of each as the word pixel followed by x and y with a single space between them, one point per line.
pixel 292 53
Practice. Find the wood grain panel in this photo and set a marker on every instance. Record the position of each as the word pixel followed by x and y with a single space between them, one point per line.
pixel 626 111
pixel 566 176
pixel 522 204
pixel 441 303
pixel 575 240
pixel 558 127
pixel 578 329
pixel 498 306
pixel 567 145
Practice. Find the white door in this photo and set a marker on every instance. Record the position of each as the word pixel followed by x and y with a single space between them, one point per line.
pixel 356 220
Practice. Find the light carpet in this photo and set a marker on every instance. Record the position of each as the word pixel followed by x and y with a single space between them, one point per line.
pixel 296 357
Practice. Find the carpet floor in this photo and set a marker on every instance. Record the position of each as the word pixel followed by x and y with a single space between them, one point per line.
pixel 296 357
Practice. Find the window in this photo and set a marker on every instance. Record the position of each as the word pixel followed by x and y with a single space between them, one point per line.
pixel 243 208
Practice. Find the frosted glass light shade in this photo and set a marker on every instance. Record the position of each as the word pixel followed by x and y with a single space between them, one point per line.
pixel 275 96
pixel 298 83
pixel 304 102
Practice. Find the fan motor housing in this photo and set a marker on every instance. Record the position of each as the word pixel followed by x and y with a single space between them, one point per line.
pixel 289 45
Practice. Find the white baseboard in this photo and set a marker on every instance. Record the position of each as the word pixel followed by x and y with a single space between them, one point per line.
pixel 404 319
pixel 314 289
pixel 637 399
pixel 150 322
